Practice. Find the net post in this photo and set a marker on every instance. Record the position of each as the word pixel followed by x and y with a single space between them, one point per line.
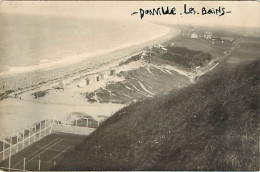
pixel 34 133
pixel 23 139
pixel 40 134
pixel 10 154
pixel 39 166
pixel 24 160
pixel 17 141
pixel 3 151
pixel 29 136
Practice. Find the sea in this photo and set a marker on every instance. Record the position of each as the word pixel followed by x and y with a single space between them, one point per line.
pixel 28 41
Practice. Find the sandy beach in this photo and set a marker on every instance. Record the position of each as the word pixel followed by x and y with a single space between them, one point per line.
pixel 59 104
pixel 30 76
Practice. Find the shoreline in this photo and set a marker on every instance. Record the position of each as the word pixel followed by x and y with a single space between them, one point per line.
pixel 44 74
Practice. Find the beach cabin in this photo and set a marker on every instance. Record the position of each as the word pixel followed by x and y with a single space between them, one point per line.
pixel 100 77
pixel 95 78
pixel 171 44
pixel 62 85
pixel 194 35
pixel 112 72
pixel 207 35
pixel 84 82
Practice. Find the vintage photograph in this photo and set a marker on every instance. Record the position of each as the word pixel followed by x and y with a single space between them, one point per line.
pixel 129 85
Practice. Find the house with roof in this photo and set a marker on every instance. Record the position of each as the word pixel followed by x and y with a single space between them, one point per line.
pixel 194 35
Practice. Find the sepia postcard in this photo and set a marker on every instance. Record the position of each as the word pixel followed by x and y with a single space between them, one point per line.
pixel 129 85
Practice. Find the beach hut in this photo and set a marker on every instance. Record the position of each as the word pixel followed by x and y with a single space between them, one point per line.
pixel 194 35
pixel 88 81
pixel 112 72
pixel 82 82
pixel 171 44
pixel 62 84
pixel 95 78
pixel 101 76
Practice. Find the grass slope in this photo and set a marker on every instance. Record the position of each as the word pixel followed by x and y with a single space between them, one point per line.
pixel 211 125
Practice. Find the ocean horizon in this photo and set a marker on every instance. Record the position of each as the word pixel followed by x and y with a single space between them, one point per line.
pixel 31 42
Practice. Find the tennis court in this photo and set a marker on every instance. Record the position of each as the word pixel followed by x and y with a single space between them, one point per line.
pixel 43 154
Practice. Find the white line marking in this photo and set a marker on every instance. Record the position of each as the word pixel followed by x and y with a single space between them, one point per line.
pixel 65 150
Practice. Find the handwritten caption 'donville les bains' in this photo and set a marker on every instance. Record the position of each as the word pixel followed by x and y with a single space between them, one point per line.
pixel 219 11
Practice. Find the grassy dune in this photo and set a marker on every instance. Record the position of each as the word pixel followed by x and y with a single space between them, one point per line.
pixel 211 125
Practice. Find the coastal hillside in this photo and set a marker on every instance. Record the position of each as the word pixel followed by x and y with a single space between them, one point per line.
pixel 156 70
pixel 211 125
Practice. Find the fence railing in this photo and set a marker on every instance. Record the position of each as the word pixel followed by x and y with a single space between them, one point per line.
pixel 26 138
pixel 82 126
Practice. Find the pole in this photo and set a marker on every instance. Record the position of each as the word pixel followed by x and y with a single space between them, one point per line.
pixel 34 133
pixel 23 139
pixel 87 122
pixel 24 159
pixel 45 127
pixel 3 150
pixel 39 164
pixel 17 148
pixel 76 121
pixel 40 130
pixel 29 136
pixel 10 154
pixel 98 123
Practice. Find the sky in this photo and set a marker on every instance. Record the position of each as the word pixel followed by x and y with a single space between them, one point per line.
pixel 243 13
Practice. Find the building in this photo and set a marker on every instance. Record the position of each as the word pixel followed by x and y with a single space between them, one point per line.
pixel 84 82
pixel 95 78
pixel 226 39
pixel 207 35
pixel 112 72
pixel 223 39
pixel 171 44
pixel 194 35
pixel 159 49
pixel 163 50
pixel 62 85
pixel 100 77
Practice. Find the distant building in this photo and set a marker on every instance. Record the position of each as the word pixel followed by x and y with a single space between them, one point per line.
pixel 159 49
pixel 100 77
pixel 171 44
pixel 95 78
pixel 207 35
pixel 194 35
pixel 85 81
pixel 163 50
pixel 226 39
pixel 112 72
pixel 223 39
pixel 82 82
pixel 62 85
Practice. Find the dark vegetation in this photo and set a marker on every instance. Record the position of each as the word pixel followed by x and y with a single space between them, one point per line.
pixel 5 94
pixel 125 91
pixel 132 59
pixel 186 57
pixel 211 125
pixel 40 94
